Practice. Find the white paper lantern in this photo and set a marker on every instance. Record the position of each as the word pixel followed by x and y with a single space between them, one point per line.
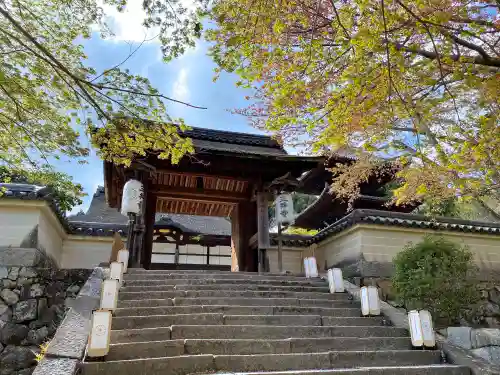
pixel 421 329
pixel 335 280
pixel 123 258
pixel 99 338
pixel 417 339
pixel 116 271
pixel 313 267
pixel 132 197
pixel 109 294
pixel 306 267
pixel 284 209
pixel 331 284
pixel 370 303
pixel 427 328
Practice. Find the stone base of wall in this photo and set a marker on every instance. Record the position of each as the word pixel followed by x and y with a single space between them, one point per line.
pixel 32 305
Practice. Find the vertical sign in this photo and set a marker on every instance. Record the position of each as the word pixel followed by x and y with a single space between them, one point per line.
pixel 284 209
pixel 262 221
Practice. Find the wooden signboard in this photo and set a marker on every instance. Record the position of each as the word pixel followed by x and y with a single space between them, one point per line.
pixel 99 338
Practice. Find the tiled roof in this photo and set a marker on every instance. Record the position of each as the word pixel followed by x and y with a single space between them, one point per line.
pixel 100 219
pixel 33 192
pixel 231 137
pixel 204 145
pixel 400 219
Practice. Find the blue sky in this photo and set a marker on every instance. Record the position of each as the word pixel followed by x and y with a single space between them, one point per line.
pixel 189 78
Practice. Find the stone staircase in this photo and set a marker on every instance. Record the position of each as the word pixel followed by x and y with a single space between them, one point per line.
pixel 182 322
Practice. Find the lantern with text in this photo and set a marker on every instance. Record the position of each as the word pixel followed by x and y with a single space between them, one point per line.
pixel 335 280
pixel 421 329
pixel 109 294
pixel 132 197
pixel 284 209
pixel 123 258
pixel 116 271
pixel 370 303
pixel 100 333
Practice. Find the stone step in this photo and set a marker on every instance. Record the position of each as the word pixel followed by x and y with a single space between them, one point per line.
pixel 180 301
pixel 216 275
pixel 137 280
pixel 166 287
pixel 126 295
pixel 249 332
pixel 183 365
pixel 211 272
pixel 152 321
pixel 234 309
pixel 386 370
pixel 171 348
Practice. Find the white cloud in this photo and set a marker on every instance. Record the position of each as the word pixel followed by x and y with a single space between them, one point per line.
pixel 127 25
pixel 180 89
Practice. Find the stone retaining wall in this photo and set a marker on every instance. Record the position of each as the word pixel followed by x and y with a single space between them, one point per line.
pixel 33 302
pixel 486 312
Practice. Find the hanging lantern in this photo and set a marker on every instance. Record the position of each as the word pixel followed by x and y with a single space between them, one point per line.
pixel 284 209
pixel 132 197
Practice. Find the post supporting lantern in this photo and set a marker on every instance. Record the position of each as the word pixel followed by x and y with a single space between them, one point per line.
pixel 284 216
pixel 132 198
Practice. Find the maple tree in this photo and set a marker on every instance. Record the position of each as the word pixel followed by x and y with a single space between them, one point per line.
pixel 50 96
pixel 416 82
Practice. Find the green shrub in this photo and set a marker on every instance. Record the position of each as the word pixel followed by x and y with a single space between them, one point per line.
pixel 437 275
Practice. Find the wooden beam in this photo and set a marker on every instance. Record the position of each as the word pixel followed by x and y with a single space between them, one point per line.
pixel 209 195
pixel 198 174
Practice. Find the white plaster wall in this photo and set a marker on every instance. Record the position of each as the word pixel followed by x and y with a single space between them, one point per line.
pixel 342 247
pixel 380 243
pixel 292 260
pixel 16 222
pixel 51 235
pixel 85 251
pixel 220 250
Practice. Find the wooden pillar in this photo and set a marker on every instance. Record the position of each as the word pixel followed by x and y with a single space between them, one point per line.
pixel 243 226
pixel 149 217
pixel 263 242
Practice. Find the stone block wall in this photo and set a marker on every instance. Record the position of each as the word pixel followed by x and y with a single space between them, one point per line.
pixel 485 314
pixel 32 305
